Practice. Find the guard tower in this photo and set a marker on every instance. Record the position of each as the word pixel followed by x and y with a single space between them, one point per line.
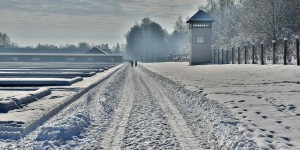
pixel 200 27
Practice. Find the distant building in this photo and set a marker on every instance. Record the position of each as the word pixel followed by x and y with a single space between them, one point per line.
pixel 200 27
pixel 95 50
pixel 107 50
pixel 51 57
pixel 67 55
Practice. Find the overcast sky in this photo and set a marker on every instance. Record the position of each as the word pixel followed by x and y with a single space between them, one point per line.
pixel 29 22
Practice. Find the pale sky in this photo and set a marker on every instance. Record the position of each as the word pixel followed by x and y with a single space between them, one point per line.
pixel 29 22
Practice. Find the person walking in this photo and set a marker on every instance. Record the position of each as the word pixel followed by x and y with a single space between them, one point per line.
pixel 131 62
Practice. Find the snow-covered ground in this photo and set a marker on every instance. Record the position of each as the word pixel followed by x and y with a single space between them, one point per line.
pixel 137 109
pixel 264 99
pixel 67 129
pixel 41 107
pixel 172 106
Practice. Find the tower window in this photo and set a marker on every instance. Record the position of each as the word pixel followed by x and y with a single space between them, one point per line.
pixel 200 39
pixel 201 25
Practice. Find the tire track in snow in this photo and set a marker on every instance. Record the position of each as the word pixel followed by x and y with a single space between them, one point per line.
pixel 114 135
pixel 179 126
pixel 148 126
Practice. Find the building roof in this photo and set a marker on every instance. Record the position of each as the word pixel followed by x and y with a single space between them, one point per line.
pixel 96 51
pixel 201 16
pixel 55 54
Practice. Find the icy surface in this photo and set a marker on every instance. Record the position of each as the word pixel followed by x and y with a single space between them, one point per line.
pixel 264 99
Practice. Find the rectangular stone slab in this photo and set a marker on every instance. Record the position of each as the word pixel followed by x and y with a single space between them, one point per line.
pixel 38 81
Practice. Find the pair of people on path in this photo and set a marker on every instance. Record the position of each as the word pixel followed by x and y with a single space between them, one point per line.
pixel 133 63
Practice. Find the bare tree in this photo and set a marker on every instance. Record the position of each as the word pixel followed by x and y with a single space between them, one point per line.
pixel 273 18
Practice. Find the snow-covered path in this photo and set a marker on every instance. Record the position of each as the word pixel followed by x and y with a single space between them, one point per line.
pixel 114 135
pixel 154 121
pixel 147 119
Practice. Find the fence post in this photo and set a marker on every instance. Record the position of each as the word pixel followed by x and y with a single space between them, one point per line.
pixel 232 55
pixel 214 56
pixel 274 51
pixel 239 55
pixel 227 59
pixel 218 56
pixel 285 51
pixel 297 49
pixel 222 56
pixel 245 54
pixel 253 53
pixel 262 53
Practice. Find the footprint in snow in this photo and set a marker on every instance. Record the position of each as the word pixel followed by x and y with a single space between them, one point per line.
pixel 291 107
pixel 270 136
pixel 272 132
pixel 253 124
pixel 286 138
pixel 262 129
pixel 259 96
pixel 265 117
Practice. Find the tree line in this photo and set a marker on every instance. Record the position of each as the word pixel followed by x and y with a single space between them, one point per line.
pixel 238 22
pixel 148 41
pixel 6 43
pixel 247 22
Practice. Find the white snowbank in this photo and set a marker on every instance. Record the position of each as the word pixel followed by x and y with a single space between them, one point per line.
pixel 50 70
pixel 45 74
pixel 19 100
pixel 38 81
pixel 68 127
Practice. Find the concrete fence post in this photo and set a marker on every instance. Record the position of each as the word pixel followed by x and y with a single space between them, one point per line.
pixel 297 49
pixel 285 52
pixel 227 59
pixel 274 51
pixel 239 55
pixel 218 56
pixel 232 55
pixel 245 54
pixel 214 56
pixel 222 56
pixel 253 53
pixel 262 53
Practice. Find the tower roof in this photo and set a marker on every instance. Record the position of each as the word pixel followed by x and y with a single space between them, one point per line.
pixel 201 16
